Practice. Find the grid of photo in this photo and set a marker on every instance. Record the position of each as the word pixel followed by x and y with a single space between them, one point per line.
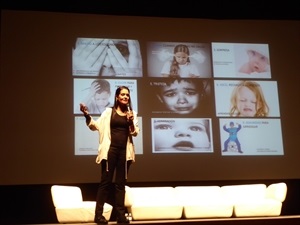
pixel 190 97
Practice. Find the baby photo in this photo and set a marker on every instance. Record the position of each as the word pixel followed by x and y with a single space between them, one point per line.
pixel 181 135
pixel 241 60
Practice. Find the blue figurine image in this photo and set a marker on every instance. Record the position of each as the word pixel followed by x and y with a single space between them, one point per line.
pixel 232 143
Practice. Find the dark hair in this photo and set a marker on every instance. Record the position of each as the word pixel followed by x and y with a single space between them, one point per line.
pixel 118 91
pixel 200 86
pixel 174 69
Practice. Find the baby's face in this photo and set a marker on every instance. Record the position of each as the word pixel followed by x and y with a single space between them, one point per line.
pixel 180 97
pixel 246 102
pixel 181 58
pixel 258 62
pixel 180 135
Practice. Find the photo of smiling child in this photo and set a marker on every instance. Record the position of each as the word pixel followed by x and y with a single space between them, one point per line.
pixel 181 135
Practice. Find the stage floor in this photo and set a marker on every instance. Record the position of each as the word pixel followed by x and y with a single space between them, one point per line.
pixel 278 220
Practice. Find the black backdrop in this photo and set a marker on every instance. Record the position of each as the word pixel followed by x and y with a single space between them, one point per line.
pixel 35 200
pixel 36 90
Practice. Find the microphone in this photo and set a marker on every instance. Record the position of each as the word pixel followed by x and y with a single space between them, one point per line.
pixel 128 107
pixel 130 119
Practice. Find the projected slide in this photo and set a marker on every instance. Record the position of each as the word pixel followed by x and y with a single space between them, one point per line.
pixel 241 137
pixel 97 94
pixel 107 57
pixel 181 96
pixel 241 60
pixel 181 135
pixel 87 141
pixel 173 59
pixel 246 98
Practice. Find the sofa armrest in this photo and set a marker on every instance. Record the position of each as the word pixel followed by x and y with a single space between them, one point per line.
pixel 128 202
pixel 277 191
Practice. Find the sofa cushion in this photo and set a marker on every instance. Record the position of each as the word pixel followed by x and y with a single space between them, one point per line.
pixel 264 207
pixel 244 192
pixel 151 203
pixel 203 202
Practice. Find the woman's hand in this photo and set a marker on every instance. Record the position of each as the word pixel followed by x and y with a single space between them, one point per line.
pixel 84 109
pixel 130 117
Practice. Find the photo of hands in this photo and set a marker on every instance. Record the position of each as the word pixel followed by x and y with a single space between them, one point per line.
pixel 107 57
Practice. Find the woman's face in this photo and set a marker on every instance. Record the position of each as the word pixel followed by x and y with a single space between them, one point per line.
pixel 181 58
pixel 180 97
pixel 246 102
pixel 102 99
pixel 181 135
pixel 123 97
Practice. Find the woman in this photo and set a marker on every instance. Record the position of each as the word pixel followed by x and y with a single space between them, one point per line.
pixel 116 126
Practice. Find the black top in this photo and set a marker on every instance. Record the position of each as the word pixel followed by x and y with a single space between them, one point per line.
pixel 119 130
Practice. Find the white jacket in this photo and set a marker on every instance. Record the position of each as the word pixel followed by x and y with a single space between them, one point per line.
pixel 102 125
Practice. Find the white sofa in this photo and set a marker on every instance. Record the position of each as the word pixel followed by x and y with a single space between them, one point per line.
pixel 255 199
pixel 203 202
pixel 246 200
pixel 150 203
pixel 70 207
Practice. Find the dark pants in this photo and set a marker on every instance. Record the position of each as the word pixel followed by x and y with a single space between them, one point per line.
pixel 236 141
pixel 116 163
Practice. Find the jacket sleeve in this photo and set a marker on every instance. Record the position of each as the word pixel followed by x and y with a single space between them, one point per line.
pixel 136 130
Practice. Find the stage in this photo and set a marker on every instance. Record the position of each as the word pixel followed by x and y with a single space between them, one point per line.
pixel 278 220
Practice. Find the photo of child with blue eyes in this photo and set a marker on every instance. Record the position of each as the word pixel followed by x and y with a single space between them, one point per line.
pixel 181 135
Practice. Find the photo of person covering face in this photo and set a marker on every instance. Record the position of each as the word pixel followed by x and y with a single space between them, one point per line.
pixel 179 59
pixel 181 95
pixel 107 57
pixel 181 135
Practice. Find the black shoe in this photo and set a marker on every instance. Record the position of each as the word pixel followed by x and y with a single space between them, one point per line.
pixel 225 150
pixel 123 221
pixel 100 220
pixel 240 151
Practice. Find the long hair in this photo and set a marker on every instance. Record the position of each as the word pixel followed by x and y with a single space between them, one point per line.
pixel 262 108
pixel 174 69
pixel 118 91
